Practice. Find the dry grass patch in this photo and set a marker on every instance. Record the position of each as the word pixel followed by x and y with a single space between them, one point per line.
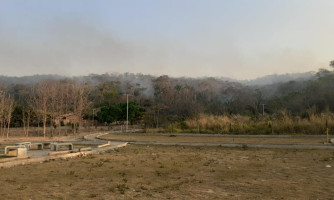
pixel 176 172
pixel 213 139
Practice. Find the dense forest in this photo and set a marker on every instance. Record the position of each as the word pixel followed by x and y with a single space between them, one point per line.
pixel 301 105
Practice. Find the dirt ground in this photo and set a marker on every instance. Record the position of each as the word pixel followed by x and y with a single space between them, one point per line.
pixel 225 139
pixel 177 172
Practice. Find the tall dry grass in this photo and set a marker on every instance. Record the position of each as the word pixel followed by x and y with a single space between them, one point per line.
pixel 280 123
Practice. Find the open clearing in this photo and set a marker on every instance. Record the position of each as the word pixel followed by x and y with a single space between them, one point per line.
pixel 177 172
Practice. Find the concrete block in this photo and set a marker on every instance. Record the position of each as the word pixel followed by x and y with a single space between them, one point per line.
pixel 103 145
pixel 85 149
pixel 22 153
pixel 122 145
pixel 59 153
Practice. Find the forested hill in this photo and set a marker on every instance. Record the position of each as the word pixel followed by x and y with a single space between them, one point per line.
pixel 280 78
pixel 97 78
pixel 214 90
pixel 29 79
pixel 162 101
pixel 214 95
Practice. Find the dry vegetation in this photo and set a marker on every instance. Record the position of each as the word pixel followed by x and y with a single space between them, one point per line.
pixel 176 172
pixel 282 123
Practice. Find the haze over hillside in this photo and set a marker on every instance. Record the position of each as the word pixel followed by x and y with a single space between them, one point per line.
pixel 260 81
pixel 279 78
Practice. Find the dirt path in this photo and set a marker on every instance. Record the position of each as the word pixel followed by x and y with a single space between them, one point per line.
pixel 244 145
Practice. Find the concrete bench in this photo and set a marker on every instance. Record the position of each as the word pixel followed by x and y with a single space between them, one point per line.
pixel 56 146
pixel 36 146
pixel 25 144
pixel 47 145
pixel 18 151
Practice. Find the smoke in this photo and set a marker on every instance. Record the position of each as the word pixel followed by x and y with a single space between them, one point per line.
pixel 63 47
pixel 74 47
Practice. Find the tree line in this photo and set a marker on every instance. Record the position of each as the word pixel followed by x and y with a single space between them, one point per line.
pixel 40 104
pixel 157 102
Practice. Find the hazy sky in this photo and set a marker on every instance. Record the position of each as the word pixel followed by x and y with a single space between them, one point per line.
pixel 240 39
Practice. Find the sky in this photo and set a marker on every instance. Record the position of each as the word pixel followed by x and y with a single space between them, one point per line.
pixel 240 39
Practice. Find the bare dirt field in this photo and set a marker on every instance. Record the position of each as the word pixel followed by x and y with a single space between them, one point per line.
pixel 177 172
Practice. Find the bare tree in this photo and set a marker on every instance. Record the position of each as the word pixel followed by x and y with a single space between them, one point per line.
pixel 65 98
pixel 41 102
pixel 24 101
pixel 34 103
pixel 53 103
pixel 2 112
pixel 80 101
pixel 26 116
pixel 6 110
pixel 59 94
pixel 9 110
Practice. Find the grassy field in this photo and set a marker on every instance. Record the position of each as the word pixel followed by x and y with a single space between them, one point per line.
pixel 202 138
pixel 176 172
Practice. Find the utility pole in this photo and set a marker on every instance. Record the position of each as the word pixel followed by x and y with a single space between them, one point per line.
pixel 197 113
pixel 93 117
pixel 127 112
pixel 263 108
pixel 327 130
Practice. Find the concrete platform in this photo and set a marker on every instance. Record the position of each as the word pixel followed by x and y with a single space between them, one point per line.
pixel 43 155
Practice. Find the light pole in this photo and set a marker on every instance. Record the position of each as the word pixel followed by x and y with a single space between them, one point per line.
pixel 127 112
pixel 263 108
pixel 93 116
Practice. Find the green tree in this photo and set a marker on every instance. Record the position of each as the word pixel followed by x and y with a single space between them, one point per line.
pixel 117 112
pixel 105 93
pixel 135 111
pixel 109 113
